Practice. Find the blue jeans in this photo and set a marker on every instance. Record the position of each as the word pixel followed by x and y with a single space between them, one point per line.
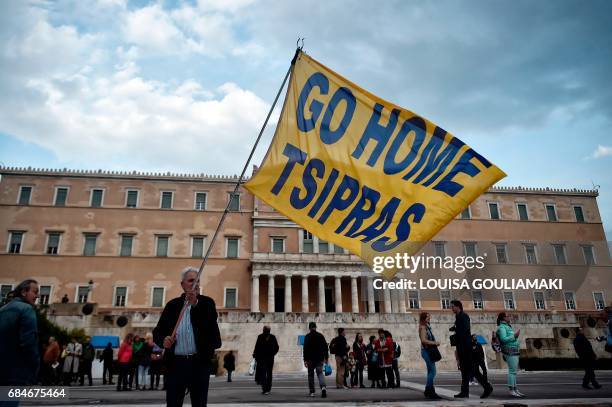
pixel 143 372
pixel 431 368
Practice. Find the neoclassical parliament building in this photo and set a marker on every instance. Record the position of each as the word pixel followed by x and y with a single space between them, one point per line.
pixel 118 240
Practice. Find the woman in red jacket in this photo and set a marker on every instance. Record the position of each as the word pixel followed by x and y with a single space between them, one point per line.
pixel 384 347
pixel 124 358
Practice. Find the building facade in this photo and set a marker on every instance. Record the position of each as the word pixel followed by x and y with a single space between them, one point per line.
pixel 119 240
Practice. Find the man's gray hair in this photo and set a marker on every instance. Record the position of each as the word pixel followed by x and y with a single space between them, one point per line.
pixel 24 286
pixel 188 270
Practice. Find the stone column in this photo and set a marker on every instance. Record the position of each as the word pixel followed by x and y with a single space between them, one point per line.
pixel 394 303
pixel 255 294
pixel 402 301
pixel 271 293
pixel 370 290
pixel 321 294
pixel 305 294
pixel 354 295
pixel 338 294
pixel 288 293
pixel 387 295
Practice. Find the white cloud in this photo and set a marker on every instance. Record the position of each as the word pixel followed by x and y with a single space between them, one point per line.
pixel 602 151
pixel 205 29
pixel 224 5
pixel 152 28
pixel 62 96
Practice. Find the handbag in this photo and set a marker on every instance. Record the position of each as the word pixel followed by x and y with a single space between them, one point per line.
pixel 327 369
pixel 453 339
pixel 433 353
pixel 252 367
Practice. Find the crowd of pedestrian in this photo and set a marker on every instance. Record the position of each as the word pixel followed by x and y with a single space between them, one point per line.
pixel 141 363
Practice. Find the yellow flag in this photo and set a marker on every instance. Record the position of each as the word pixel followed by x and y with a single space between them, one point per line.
pixel 361 172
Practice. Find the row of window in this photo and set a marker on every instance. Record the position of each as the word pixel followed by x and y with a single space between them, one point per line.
pixel 120 295
pixel 90 240
pixel 510 304
pixel 166 200
pixel 530 250
pixel 162 245
pixel 96 199
pixel 522 212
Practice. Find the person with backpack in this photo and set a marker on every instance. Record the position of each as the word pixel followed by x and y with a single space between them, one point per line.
pixel 315 354
pixel 373 371
pixel 87 357
pixel 339 348
pixel 397 351
pixel 463 342
pixel 510 345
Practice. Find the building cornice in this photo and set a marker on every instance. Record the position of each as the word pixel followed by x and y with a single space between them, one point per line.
pixel 190 177
pixel 123 175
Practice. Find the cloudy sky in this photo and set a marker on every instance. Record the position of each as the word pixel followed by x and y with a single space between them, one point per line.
pixel 185 85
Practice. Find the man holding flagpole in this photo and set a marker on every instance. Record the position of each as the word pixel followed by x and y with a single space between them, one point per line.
pixel 188 350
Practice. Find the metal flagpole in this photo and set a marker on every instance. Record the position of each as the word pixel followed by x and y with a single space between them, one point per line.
pixel 246 165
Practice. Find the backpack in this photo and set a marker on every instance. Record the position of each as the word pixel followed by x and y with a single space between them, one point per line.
pixel 332 346
pixel 397 350
pixel 495 343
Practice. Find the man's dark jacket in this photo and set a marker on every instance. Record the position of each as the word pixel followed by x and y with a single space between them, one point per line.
pixel 315 347
pixel 265 348
pixel 340 346
pixel 89 353
pixel 583 348
pixel 19 359
pixel 204 323
pixel 464 334
pixel 107 355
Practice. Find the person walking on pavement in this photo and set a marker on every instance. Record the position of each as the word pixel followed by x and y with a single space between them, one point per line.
pixel 229 363
pixel 463 337
pixel 143 361
pixel 188 353
pixel 156 366
pixel 359 350
pixel 107 363
pixel 136 347
pixel 50 363
pixel 74 350
pixel 124 357
pixel 315 355
pixel 339 348
pixel 510 345
pixel 19 337
pixel 373 370
pixel 478 357
pixel 87 358
pixel 587 356
pixel 397 352
pixel 384 347
pixel 428 342
pixel 266 348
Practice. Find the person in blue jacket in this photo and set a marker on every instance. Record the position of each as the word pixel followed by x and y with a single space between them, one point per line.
pixel 19 337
